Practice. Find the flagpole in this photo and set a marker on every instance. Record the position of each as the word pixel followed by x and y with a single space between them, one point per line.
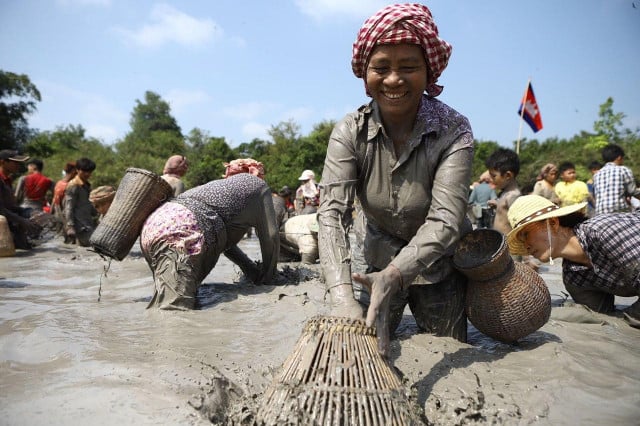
pixel 524 98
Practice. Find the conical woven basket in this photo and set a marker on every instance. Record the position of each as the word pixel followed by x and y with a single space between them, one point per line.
pixel 7 247
pixel 140 192
pixel 335 376
pixel 505 300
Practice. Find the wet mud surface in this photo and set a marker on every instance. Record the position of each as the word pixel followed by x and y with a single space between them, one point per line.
pixel 69 355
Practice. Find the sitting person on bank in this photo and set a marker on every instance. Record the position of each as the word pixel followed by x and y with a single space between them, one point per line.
pixel 174 169
pixel 184 237
pixel 17 218
pixel 599 255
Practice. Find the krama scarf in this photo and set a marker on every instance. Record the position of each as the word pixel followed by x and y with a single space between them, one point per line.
pixel 398 24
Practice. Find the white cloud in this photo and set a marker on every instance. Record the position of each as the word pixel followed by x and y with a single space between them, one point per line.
pixel 298 115
pixel 180 99
pixel 63 105
pixel 169 25
pixel 323 9
pixel 254 130
pixel 249 111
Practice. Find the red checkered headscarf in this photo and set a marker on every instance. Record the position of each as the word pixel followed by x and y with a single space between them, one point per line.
pixel 402 23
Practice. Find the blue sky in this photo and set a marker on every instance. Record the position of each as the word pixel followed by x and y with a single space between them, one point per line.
pixel 236 68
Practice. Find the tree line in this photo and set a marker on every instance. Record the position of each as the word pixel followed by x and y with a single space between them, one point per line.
pixel 155 135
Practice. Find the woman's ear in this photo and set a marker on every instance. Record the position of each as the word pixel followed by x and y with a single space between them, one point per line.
pixel 554 222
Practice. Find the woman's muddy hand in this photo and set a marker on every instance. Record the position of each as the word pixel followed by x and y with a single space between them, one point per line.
pixel 382 286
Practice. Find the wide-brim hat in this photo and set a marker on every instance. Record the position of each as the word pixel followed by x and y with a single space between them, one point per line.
pixel 9 154
pixel 527 209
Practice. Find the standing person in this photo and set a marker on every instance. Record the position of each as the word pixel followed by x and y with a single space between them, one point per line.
pixel 79 213
pixel 407 158
pixel 614 184
pixel 184 237
pixel 57 206
pixel 32 188
pixel 17 218
pixel 599 255
pixel 480 195
pixel 174 169
pixel 504 167
pixel 545 183
pixel 307 194
pixel 570 190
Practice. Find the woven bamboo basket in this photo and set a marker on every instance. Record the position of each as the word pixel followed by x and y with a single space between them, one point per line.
pixel 140 192
pixel 335 376
pixel 505 300
pixel 7 247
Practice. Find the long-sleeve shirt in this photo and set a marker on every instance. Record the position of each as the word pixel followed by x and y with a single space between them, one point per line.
pixel 415 205
pixel 612 242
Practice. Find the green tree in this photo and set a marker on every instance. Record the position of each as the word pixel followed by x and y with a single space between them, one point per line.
pixel 207 156
pixel 21 96
pixel 65 144
pixel 608 122
pixel 154 136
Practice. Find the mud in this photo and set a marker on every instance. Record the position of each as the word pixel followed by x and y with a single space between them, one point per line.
pixel 70 356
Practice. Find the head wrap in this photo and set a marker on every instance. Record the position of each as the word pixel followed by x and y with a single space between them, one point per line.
pixel 545 170
pixel 244 165
pixel 176 165
pixel 397 24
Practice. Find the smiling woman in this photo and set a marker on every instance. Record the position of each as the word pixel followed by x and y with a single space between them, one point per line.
pixel 407 158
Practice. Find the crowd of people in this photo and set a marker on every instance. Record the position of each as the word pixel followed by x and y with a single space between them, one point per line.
pixel 398 169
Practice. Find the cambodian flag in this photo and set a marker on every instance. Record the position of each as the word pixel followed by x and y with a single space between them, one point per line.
pixel 531 113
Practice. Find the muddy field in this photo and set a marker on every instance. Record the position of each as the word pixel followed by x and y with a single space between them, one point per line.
pixel 79 347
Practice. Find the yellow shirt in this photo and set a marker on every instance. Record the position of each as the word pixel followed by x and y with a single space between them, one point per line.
pixel 571 192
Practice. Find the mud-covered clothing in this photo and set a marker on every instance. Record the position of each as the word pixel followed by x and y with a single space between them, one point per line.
pixel 15 215
pixel 32 189
pixel 612 243
pixel 415 205
pixel 79 213
pixel 183 238
pixel 175 183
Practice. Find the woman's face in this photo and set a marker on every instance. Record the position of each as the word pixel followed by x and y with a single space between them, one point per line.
pixel 536 240
pixel 397 78
pixel 551 175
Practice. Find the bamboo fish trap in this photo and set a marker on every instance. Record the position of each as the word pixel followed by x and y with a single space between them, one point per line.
pixel 335 376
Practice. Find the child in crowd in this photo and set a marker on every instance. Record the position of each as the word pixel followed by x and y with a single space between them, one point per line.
pixel 570 190
pixel 504 166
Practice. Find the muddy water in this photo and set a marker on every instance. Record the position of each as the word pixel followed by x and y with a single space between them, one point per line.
pixel 68 358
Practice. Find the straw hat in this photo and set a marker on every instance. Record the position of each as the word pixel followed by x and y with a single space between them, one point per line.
pixel 532 208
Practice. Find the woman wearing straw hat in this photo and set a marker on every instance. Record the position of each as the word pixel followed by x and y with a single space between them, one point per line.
pixel 407 158
pixel 601 255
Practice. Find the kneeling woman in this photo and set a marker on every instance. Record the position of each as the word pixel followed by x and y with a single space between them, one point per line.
pixel 601 255
pixel 183 239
